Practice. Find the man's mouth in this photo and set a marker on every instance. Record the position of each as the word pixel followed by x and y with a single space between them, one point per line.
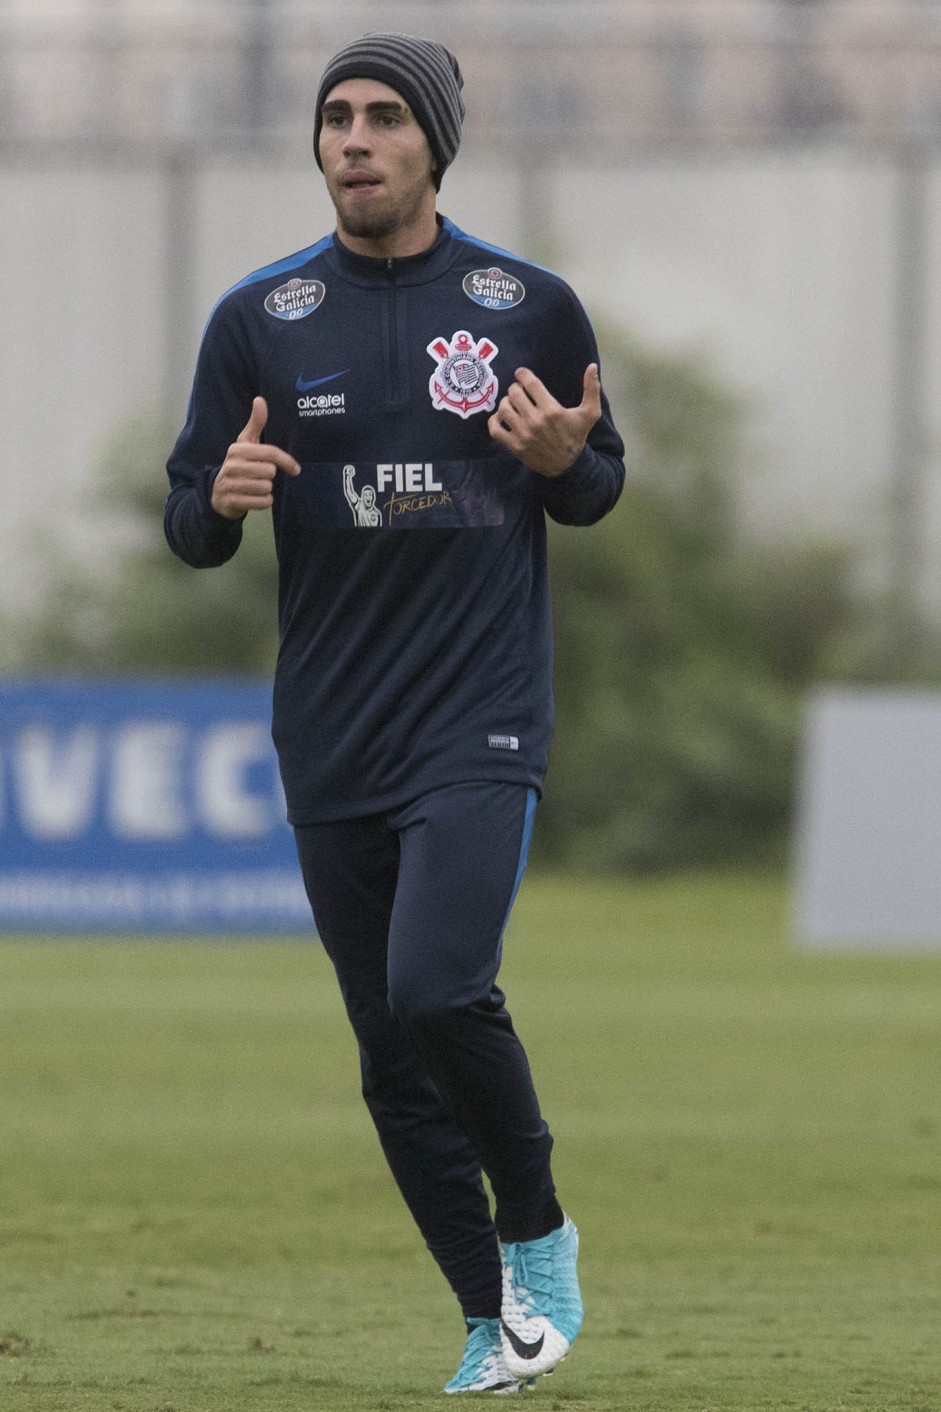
pixel 355 181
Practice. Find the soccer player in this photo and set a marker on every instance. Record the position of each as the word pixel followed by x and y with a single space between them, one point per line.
pixel 448 395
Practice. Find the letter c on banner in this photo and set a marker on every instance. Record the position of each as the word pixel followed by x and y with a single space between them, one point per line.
pixel 225 806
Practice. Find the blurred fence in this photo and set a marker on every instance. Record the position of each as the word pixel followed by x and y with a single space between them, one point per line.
pixel 759 178
pixel 567 74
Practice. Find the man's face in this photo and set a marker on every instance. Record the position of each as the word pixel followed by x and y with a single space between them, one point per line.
pixel 377 163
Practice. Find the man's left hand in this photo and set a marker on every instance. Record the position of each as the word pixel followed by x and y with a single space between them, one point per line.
pixel 539 431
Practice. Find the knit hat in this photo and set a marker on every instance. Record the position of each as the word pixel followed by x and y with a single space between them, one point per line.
pixel 426 75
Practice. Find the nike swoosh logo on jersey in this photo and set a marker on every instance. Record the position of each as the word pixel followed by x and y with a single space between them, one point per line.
pixel 303 386
pixel 521 1349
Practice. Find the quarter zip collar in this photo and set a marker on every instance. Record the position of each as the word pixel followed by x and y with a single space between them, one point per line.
pixel 406 269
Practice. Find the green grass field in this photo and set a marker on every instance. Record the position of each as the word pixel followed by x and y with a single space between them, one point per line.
pixel 194 1214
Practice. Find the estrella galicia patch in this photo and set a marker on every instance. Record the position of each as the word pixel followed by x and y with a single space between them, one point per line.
pixel 492 289
pixel 296 299
pixel 463 380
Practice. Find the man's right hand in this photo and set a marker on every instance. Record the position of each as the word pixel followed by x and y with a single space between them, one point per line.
pixel 245 480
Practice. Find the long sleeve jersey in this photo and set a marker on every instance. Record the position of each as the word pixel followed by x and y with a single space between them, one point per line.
pixel 415 627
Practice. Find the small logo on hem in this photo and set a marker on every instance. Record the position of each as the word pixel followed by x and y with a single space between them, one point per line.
pixel 503 742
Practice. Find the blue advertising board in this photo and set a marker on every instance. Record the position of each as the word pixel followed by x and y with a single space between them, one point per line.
pixel 143 806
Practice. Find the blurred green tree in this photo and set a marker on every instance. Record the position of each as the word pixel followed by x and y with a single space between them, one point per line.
pixel 135 607
pixel 685 646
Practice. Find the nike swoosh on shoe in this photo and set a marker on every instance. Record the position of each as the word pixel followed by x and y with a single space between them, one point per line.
pixel 521 1349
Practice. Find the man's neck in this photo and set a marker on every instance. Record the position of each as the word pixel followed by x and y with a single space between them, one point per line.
pixel 400 243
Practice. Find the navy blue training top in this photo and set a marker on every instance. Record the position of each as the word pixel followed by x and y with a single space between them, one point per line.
pixel 416 640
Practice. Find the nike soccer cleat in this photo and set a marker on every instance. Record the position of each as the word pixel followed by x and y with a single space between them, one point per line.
pixel 542 1304
pixel 482 1367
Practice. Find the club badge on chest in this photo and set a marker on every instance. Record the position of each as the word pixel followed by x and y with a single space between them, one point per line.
pixel 463 380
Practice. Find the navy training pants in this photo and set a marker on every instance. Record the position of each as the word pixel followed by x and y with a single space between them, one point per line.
pixel 411 906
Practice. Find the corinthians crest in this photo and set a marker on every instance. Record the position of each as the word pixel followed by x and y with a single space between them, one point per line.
pixel 463 381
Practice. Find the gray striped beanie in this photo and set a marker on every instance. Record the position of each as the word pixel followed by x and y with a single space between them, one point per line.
pixel 426 75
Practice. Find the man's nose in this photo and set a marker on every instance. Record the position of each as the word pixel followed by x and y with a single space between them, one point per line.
pixel 357 137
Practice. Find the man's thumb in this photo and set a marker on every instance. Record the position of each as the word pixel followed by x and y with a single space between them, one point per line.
pixel 591 392
pixel 255 425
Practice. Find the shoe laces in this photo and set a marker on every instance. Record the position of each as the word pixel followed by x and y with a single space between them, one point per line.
pixel 531 1274
pixel 483 1351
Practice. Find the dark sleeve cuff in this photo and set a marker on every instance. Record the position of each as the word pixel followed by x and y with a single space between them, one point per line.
pixel 586 490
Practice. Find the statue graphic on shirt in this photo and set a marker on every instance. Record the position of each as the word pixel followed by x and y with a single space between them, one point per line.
pixel 366 513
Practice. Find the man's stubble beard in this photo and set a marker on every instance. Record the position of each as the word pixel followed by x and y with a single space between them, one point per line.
pixel 379 225
pixel 367 226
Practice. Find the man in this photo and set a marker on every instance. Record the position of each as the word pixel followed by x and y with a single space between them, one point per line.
pixel 363 506
pixel 448 395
